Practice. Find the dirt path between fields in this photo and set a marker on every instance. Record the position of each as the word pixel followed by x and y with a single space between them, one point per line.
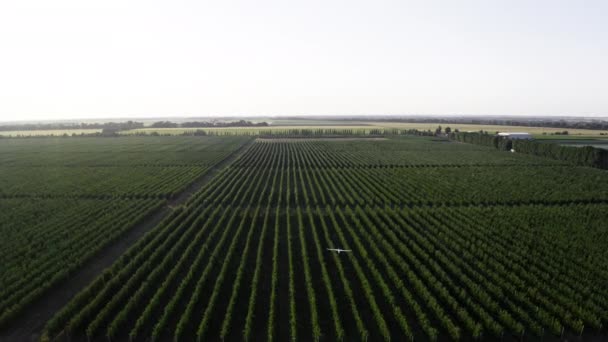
pixel 29 324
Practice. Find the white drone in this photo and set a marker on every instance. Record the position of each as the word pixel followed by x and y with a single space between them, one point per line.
pixel 339 250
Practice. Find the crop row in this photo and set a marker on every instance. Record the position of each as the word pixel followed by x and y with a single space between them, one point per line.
pixel 403 186
pixel 397 151
pixel 140 147
pixel 37 256
pixel 231 266
pixel 411 275
pixel 55 218
pixel 161 182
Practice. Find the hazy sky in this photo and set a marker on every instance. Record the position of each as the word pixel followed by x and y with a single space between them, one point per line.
pixel 77 58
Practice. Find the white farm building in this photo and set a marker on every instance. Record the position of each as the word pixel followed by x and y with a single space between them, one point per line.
pixel 516 135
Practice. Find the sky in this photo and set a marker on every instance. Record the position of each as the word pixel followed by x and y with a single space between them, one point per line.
pixel 67 59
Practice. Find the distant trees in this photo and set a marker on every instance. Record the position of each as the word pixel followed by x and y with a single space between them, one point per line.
pixel 116 126
pixel 164 124
pixel 109 131
pixel 213 123
pixel 109 128
pixel 531 122
pixel 584 156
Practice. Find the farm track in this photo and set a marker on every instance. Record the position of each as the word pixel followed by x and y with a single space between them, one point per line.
pixel 29 324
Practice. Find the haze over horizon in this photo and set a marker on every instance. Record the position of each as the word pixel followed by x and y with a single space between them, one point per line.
pixel 70 59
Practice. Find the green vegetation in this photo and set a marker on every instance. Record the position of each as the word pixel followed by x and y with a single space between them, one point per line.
pixel 43 240
pixel 63 200
pixel 584 155
pixel 262 131
pixel 449 241
pixel 469 127
pixel 49 132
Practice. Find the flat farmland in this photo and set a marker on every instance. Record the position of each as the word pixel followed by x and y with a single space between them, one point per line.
pixel 44 132
pixel 283 127
pixel 63 200
pixel 446 241
pixel 244 130
pixel 537 131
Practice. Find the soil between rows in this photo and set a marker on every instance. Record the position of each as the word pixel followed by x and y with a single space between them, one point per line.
pixel 29 324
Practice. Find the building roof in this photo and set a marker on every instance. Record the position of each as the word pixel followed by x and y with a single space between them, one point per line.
pixel 513 133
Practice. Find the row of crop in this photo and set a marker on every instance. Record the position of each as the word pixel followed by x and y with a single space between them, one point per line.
pixel 386 152
pixel 409 243
pixel 93 326
pixel 22 285
pixel 312 300
pixel 545 296
pixel 515 279
pixel 438 273
pixel 458 186
pixel 272 306
pixel 449 185
pixel 79 231
pixel 185 321
pixel 28 226
pixel 401 261
pixel 543 262
pixel 584 156
pixel 481 284
pixel 316 329
pixel 114 159
pixel 251 303
pixel 537 312
pixel 94 317
pixel 38 254
pixel 208 313
pixel 431 303
pixel 75 317
pixel 65 181
pixel 113 153
pixel 410 265
pixel 96 322
pixel 537 226
pixel 194 301
pixel 48 149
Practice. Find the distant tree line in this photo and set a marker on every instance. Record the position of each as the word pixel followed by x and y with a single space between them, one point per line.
pixel 292 132
pixel 483 138
pixel 118 126
pixel 593 124
pixel 584 156
pixel 194 124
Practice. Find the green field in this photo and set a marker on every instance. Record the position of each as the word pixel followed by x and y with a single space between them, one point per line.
pixel 277 125
pixel 45 132
pixel 446 240
pixel 576 141
pixel 313 122
pixel 367 127
pixel 62 200
pixel 536 131
pixel 241 130
pixel 552 138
